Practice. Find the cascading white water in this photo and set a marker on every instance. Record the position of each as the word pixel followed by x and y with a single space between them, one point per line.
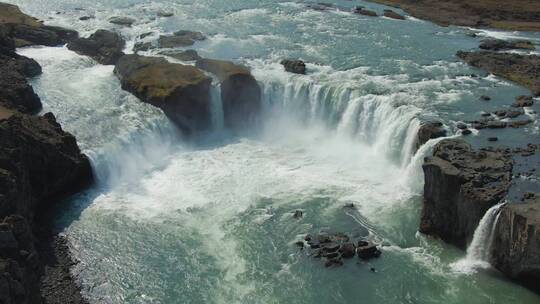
pixel 478 252
pixel 388 126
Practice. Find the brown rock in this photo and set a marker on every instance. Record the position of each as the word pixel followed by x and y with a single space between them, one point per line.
pixel 181 91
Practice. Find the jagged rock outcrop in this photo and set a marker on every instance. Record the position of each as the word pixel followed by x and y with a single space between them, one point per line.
pixel 27 30
pixel 39 163
pixel 516 243
pixel 429 130
pixel 15 92
pixel 181 91
pixel 294 66
pixel 104 46
pixel 522 69
pixel 460 186
pixel 240 92
pixel 498 44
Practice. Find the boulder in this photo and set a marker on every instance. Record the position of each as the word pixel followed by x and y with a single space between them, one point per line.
pixel 516 242
pixel 180 39
pixel 460 186
pixel 523 101
pixel 362 11
pixel 522 69
pixel 391 14
pixel 189 55
pixel 498 44
pixel 429 130
pixel 124 21
pixel 367 250
pixel 294 66
pixel 181 91
pixel 240 92
pixel 29 31
pixel 104 46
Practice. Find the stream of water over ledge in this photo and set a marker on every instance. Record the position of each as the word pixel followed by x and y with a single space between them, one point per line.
pixel 210 220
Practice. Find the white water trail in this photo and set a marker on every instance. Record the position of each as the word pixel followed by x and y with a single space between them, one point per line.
pixel 216 108
pixel 478 252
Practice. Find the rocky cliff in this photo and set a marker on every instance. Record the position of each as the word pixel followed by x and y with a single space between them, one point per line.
pixel 516 243
pixel 460 186
pixel 240 92
pixel 39 164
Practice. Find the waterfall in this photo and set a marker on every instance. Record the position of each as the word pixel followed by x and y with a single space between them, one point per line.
pixel 478 252
pixel 216 107
pixel 384 122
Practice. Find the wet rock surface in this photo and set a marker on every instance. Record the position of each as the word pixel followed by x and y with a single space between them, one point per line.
pixel 189 55
pixel 334 248
pixel 124 21
pixel 294 66
pixel 181 91
pixel 240 92
pixel 103 46
pixel 521 69
pixel 429 130
pixel 460 186
pixel 180 39
pixel 498 44
pixel 516 243
pixel 393 15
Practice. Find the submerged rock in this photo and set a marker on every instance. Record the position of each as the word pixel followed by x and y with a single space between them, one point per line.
pixel 240 92
pixel 521 69
pixel 498 44
pixel 181 91
pixel 460 186
pixel 294 66
pixel 104 46
pixel 516 243
pixel 125 21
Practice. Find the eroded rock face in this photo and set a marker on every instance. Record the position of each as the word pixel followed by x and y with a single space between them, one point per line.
pixel 429 130
pixel 28 31
pixel 460 186
pixel 294 66
pixel 39 163
pixel 15 92
pixel 240 92
pixel 522 69
pixel 103 46
pixel 188 55
pixel 497 45
pixel 393 15
pixel 181 91
pixel 516 243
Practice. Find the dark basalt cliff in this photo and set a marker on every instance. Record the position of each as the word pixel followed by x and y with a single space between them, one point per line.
pixel 39 164
pixel 240 92
pixel 460 186
pixel 516 243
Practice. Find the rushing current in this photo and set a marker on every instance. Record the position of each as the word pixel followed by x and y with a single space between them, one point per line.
pixel 209 220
